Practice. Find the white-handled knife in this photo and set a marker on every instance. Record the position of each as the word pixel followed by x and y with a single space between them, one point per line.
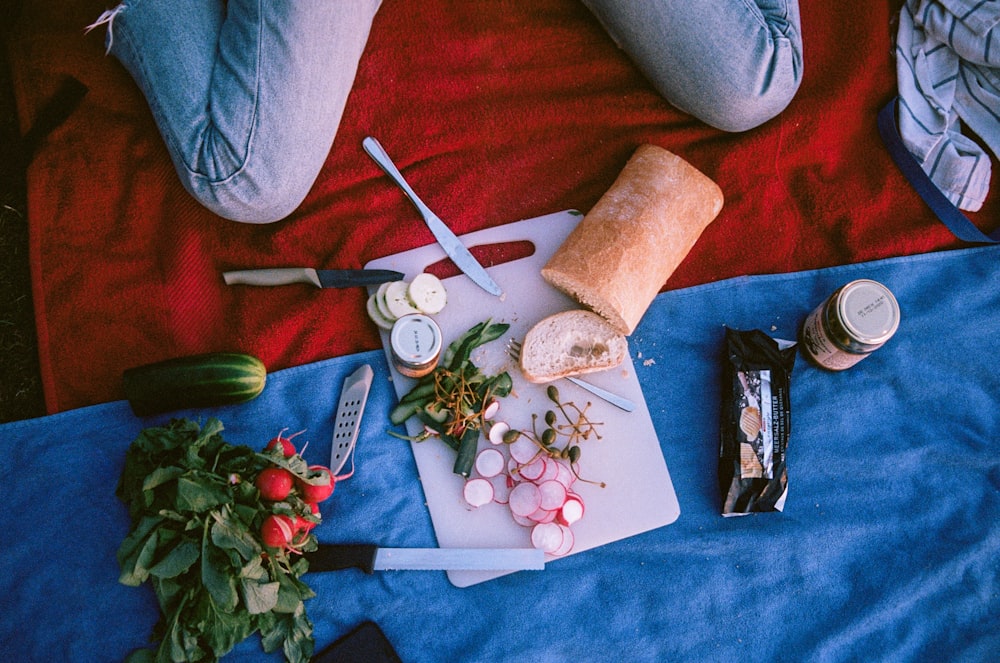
pixel 370 558
pixel 442 233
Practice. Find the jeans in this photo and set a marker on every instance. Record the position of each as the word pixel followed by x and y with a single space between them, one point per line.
pixel 733 64
pixel 248 94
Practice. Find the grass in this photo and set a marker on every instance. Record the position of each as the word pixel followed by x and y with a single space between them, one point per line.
pixel 20 383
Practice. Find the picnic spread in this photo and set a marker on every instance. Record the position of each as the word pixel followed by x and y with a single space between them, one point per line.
pixel 768 472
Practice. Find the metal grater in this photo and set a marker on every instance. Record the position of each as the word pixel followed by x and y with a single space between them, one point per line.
pixel 353 397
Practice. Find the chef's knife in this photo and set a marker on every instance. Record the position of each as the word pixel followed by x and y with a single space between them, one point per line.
pixel 444 236
pixel 371 558
pixel 347 422
pixel 321 278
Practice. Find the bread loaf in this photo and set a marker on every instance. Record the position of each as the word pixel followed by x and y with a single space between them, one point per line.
pixel 623 251
pixel 570 343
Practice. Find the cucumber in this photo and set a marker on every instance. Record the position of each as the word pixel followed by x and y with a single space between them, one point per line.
pixel 375 313
pixel 427 293
pixel 204 380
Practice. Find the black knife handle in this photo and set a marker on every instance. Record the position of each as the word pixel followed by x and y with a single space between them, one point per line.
pixel 336 557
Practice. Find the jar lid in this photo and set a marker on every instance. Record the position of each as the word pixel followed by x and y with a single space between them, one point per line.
pixel 869 311
pixel 415 339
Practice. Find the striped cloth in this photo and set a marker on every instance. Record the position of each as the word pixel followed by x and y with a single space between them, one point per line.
pixel 948 54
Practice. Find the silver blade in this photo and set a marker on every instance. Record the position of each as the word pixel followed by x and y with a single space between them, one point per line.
pixel 347 422
pixel 459 559
pixel 460 255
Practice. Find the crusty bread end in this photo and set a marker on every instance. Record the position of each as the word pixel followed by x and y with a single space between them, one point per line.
pixel 571 343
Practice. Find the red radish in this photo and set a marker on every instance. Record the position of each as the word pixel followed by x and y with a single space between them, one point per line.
pixel 542 516
pixel 314 493
pixel 524 499
pixel 497 431
pixel 569 539
pixel 274 483
pixel 277 531
pixel 523 521
pixel 547 536
pixel 287 446
pixel 491 409
pixel 303 524
pixel 572 510
pixel 564 474
pixel 489 463
pixel 478 492
pixel 553 495
pixel 533 470
pixel 502 485
pixel 523 450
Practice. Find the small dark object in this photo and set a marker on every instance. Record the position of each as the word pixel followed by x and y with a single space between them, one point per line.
pixel 756 422
pixel 365 644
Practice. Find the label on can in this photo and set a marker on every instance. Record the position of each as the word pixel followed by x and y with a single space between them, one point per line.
pixel 857 319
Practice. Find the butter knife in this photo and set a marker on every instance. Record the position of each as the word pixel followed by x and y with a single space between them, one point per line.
pixel 444 236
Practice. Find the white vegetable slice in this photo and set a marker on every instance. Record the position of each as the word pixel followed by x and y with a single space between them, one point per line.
pixel 543 516
pixel 489 463
pixel 523 521
pixel 497 431
pixel 478 492
pixel 427 293
pixel 553 495
pixel 376 315
pixel 550 471
pixel 533 470
pixel 547 536
pixel 523 450
pixel 524 499
pixel 380 301
pixel 502 485
pixel 572 510
pixel 397 301
pixel 564 474
pixel 569 539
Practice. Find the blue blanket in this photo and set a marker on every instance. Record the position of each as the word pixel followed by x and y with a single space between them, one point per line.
pixel 888 547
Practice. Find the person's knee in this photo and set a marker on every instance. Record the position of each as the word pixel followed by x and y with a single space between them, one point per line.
pixel 740 110
pixel 248 197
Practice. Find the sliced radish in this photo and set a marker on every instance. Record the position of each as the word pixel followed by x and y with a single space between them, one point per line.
pixel 533 470
pixel 543 515
pixel 397 301
pixel 489 463
pixel 547 536
pixel 524 499
pixel 572 509
pixel 550 472
pixel 523 521
pixel 502 486
pixel 568 541
pixel 478 492
pixel 523 450
pixel 375 314
pixel 427 293
pixel 564 474
pixel 553 495
pixel 491 409
pixel 497 431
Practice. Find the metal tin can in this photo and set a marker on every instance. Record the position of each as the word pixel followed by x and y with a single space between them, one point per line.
pixel 857 319
pixel 415 341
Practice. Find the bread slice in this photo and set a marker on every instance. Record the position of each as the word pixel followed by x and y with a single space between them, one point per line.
pixel 571 343
pixel 621 254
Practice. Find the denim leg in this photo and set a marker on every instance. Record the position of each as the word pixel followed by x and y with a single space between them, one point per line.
pixel 247 94
pixel 732 63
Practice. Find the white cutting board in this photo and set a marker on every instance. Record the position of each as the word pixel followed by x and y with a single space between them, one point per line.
pixel 638 496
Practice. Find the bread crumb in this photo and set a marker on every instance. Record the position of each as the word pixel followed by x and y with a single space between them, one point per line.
pixel 649 362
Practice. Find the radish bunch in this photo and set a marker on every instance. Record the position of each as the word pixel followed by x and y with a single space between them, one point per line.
pixel 295 490
pixel 534 477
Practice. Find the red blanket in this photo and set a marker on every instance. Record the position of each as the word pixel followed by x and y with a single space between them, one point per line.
pixel 495 111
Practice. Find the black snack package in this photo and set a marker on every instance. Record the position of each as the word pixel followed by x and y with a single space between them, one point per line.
pixel 756 422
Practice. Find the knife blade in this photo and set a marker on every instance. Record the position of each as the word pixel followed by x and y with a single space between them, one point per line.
pixel 370 558
pixel 347 421
pixel 321 278
pixel 444 236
